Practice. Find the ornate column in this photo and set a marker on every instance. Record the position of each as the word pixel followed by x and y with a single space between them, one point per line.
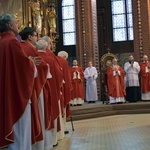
pixel 141 22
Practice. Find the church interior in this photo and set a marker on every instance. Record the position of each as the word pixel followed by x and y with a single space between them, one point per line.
pixel 96 31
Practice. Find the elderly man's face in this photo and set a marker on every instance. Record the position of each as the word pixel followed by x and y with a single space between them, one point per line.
pixel 115 61
pixel 145 58
pixel 75 63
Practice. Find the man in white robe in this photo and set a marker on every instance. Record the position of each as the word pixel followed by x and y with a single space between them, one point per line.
pixel 90 74
pixel 132 70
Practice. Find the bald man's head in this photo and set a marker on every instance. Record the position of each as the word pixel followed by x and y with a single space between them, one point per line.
pixel 75 63
pixel 41 44
pixel 115 61
pixel 145 58
pixel 48 40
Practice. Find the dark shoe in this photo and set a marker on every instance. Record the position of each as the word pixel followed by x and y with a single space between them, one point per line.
pixel 79 104
pixel 66 132
pixel 55 145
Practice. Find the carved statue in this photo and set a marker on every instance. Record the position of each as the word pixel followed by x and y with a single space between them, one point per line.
pixel 51 18
pixel 37 16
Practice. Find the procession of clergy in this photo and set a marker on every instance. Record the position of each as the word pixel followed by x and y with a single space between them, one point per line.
pixel 37 88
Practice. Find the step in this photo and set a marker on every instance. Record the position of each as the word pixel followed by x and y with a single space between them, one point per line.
pixel 109 113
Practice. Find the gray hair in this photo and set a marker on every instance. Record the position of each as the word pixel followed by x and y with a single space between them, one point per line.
pixel 41 45
pixel 5 20
pixel 46 38
pixel 63 54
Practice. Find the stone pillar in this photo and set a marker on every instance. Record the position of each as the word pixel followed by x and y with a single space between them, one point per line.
pixel 87 33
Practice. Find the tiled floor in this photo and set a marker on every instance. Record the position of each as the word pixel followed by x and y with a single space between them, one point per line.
pixel 124 132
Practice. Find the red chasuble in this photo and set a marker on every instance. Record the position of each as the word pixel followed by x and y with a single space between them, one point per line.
pixel 52 55
pixel 115 83
pixel 145 77
pixel 39 83
pixel 67 86
pixel 55 82
pixel 77 84
pixel 16 84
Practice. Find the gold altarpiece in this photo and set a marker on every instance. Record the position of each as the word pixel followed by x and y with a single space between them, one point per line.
pixel 40 14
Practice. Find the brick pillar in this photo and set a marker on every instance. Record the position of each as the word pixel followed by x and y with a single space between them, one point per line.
pixel 141 22
pixel 86 29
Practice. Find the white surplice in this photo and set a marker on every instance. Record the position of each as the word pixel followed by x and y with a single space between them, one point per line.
pixel 90 75
pixel 132 78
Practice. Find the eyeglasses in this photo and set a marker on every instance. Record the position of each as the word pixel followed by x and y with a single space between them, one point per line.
pixel 34 35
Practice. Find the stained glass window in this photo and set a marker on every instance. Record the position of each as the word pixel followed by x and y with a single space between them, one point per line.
pixel 122 21
pixel 68 20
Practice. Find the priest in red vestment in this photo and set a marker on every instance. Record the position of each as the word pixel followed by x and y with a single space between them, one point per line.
pixel 77 77
pixel 115 83
pixel 29 39
pixel 16 84
pixel 55 86
pixel 145 78
pixel 67 86
pixel 66 89
pixel 63 109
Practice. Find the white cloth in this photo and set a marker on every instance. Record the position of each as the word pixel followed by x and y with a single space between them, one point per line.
pixel 49 75
pixel 54 133
pixel 90 74
pixel 60 134
pixel 76 75
pixel 22 132
pixel 132 78
pixel 76 101
pixel 46 143
pixel 146 96
pixel 113 100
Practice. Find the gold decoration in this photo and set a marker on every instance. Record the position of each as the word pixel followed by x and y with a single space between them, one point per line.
pixel 51 18
pixel 36 13
pixel 19 20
